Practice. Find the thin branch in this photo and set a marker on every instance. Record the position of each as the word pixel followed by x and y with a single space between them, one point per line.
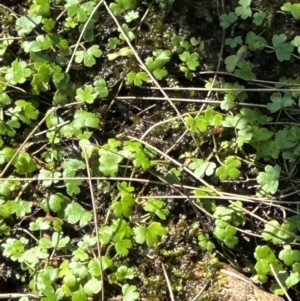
pixel 143 66
pixel 17 295
pixel 81 35
pixel 168 282
pixel 95 219
pixel 279 283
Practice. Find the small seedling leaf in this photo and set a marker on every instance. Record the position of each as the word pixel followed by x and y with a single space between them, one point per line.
pixel 289 256
pixel 259 17
pixel 244 11
pixel 269 179
pixel 279 101
pixel 283 50
pixel 229 169
pixel 202 167
pixel 294 9
pixel 130 292
pixel 228 19
pixel 157 207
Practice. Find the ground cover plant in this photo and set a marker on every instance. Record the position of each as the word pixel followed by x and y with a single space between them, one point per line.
pixel 143 143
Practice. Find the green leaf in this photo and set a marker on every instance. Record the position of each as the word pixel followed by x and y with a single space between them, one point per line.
pixel 286 280
pixel 191 60
pixel 4 44
pixel 296 43
pixel 13 249
pixel 54 202
pixel 49 24
pixel 157 207
pixel 113 42
pixel 264 256
pixel 105 234
pixel 75 213
pixel 44 173
pixel 141 160
pixel 213 118
pixel 34 255
pixel 106 262
pixel 5 100
pixel 87 241
pixel 244 11
pixel 58 241
pixel 255 42
pixel 228 19
pixel 6 154
pixel 88 56
pixel 40 8
pixel 232 60
pixel 137 78
pixel 94 267
pixel 156 64
pixel 259 17
pixel 100 88
pixel 92 287
pixel 160 73
pixel 124 272
pixel 202 167
pixel 18 72
pixel 26 111
pixel 26 24
pixel 204 242
pixel 124 207
pixel 228 102
pixel 85 95
pixel 85 119
pixel 79 255
pixel 130 16
pixel 39 224
pixel 122 228
pixel 255 116
pixel 279 102
pixel 287 138
pixel 121 5
pixel 24 164
pixel 274 232
pixel 41 43
pixel 130 35
pixel 292 8
pixel 79 295
pixel 199 123
pixel 20 208
pixel 109 163
pixel 269 179
pixel 233 42
pixel 70 280
pixel 283 50
pixel 229 169
pixel 122 246
pixel 289 256
pixel 73 165
pixel 232 214
pixel 245 70
pixel 41 79
pixel 226 233
pixel 149 234
pixel 130 292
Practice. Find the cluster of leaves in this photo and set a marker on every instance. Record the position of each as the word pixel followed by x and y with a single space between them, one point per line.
pixel 62 267
pixel 68 141
pixel 227 219
pixel 286 264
